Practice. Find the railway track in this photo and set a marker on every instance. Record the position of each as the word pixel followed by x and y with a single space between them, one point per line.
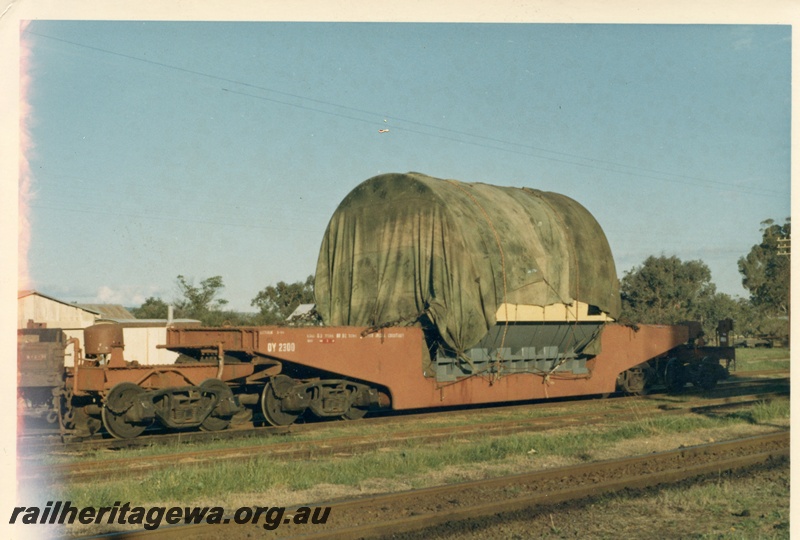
pixel 89 470
pixel 44 442
pixel 418 510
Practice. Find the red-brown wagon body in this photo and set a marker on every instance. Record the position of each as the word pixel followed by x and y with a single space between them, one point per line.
pixel 391 359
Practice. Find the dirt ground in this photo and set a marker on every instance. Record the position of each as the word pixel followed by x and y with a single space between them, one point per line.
pixel 749 505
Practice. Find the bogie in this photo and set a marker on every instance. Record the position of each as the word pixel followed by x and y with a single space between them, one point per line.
pixel 284 399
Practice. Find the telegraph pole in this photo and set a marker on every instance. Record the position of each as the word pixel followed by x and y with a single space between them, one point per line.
pixel 785 246
pixel 785 250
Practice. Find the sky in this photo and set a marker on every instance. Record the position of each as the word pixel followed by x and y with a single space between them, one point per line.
pixel 156 149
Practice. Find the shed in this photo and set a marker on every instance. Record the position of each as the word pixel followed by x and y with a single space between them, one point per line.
pixel 44 310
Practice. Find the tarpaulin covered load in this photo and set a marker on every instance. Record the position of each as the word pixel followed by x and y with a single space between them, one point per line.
pixel 400 245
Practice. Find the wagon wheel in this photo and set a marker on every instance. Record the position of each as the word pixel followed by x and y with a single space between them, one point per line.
pixel 354 413
pixel 118 401
pixel 217 391
pixel 271 406
pixel 705 377
pixel 674 376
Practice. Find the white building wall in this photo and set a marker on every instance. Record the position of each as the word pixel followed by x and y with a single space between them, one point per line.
pixel 53 314
pixel 141 343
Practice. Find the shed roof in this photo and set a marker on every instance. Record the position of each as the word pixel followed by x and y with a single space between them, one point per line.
pixel 108 311
pixel 84 307
pixel 152 323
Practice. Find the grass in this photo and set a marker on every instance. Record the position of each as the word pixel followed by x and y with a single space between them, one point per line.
pixel 339 429
pixel 729 507
pixel 760 358
pixel 755 512
pixel 765 412
pixel 408 463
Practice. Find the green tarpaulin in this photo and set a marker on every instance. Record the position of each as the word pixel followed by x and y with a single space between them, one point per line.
pixel 399 245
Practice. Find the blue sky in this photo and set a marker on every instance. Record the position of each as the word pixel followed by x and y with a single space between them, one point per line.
pixel 202 149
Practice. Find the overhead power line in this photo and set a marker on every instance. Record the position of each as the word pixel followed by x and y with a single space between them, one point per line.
pixel 524 149
pixel 161 217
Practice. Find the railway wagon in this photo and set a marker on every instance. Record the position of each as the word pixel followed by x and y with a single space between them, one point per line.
pixel 231 375
pixel 430 293
pixel 40 372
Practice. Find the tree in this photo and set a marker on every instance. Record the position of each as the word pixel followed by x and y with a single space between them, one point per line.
pixel 746 318
pixel 199 302
pixel 715 308
pixel 666 290
pixel 153 308
pixel 766 271
pixel 276 303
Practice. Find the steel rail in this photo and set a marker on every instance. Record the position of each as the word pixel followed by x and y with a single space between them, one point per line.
pixel 30 448
pixel 642 478
pixel 347 445
pixel 377 516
